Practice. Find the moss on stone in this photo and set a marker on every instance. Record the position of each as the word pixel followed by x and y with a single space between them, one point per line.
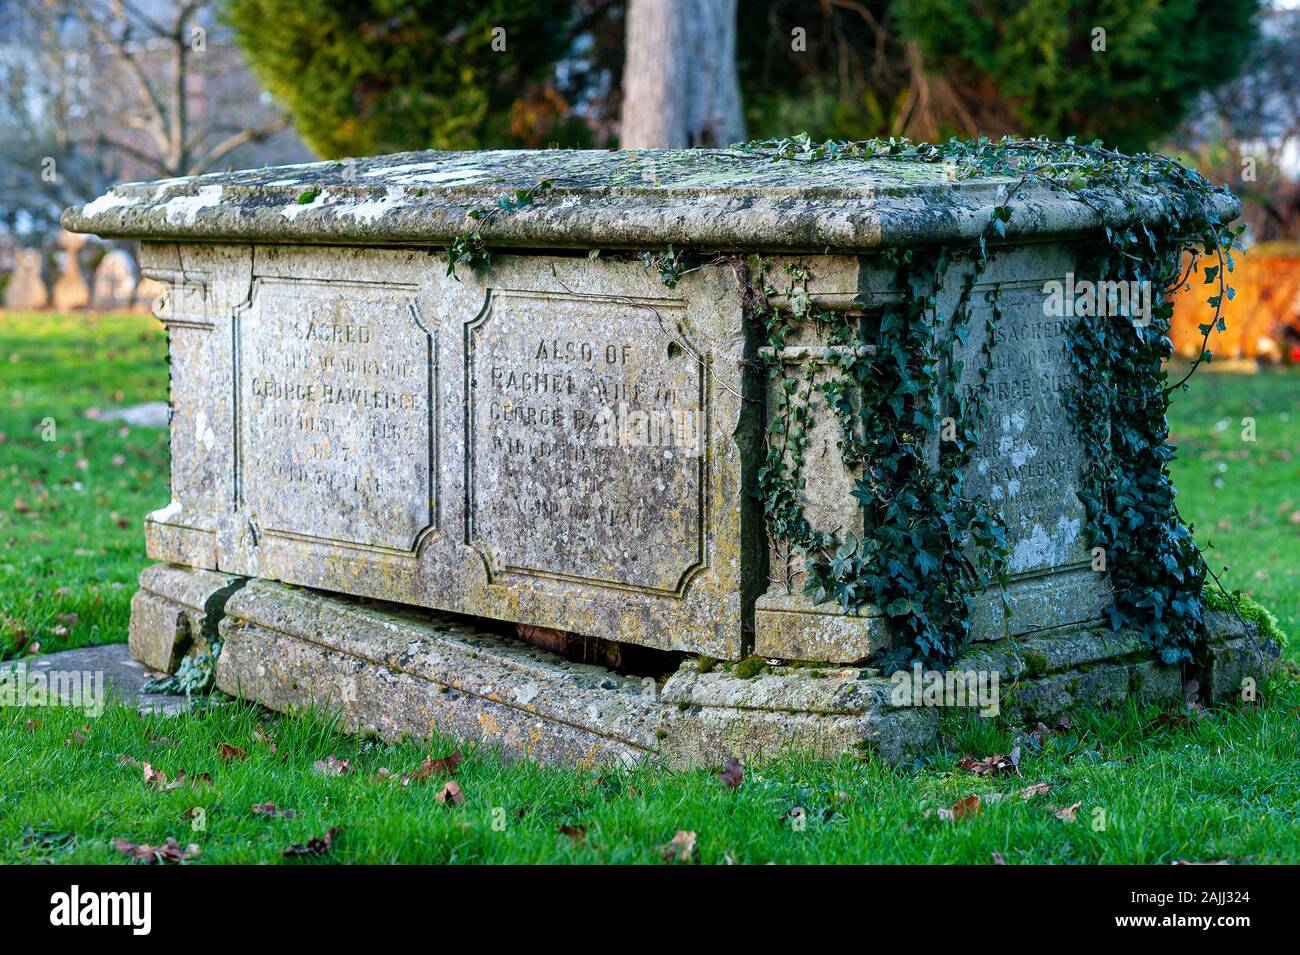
pixel 706 664
pixel 1136 681
pixel 1250 610
pixel 749 667
pixel 307 195
pixel 1035 664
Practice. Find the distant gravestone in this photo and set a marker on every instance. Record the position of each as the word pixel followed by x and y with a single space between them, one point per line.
pixel 147 292
pixel 70 290
pixel 115 281
pixel 26 289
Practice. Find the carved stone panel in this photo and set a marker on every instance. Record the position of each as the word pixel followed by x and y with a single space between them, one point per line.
pixel 585 454
pixel 335 389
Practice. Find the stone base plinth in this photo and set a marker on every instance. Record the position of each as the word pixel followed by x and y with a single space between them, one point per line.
pixel 175 612
pixel 401 672
pixel 405 673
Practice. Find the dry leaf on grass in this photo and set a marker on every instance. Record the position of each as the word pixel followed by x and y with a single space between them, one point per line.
pixel 332 766
pixel 995 765
pixel 680 848
pixel 1037 789
pixel 228 752
pixel 1066 813
pixel 450 793
pixel 169 853
pixel 576 833
pixel 733 774
pixel 315 846
pixel 269 810
pixel 970 806
pixel 442 766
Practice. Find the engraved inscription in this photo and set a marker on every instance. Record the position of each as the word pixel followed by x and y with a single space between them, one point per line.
pixel 585 458
pixel 1028 461
pixel 335 386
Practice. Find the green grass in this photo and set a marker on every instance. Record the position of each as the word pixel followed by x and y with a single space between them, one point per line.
pixel 1243 497
pixel 72 508
pixel 1225 786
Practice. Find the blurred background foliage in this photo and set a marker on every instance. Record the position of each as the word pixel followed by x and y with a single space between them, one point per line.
pixel 366 76
pixel 361 77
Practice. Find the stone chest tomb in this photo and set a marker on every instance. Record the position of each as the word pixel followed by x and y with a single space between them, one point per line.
pixel 564 441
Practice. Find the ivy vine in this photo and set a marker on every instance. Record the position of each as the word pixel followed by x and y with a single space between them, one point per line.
pixel 928 548
pixel 468 247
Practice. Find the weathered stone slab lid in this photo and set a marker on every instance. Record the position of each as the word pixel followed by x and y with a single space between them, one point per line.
pixel 725 199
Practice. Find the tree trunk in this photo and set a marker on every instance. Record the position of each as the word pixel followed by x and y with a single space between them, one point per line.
pixel 680 85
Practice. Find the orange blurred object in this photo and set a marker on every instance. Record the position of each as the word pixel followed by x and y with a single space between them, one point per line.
pixel 1265 307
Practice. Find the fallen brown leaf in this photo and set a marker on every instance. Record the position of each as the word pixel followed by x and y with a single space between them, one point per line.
pixel 315 846
pixel 271 811
pixel 33 725
pixel 1066 813
pixel 228 752
pixel 450 793
pixel 169 853
pixel 576 833
pixel 332 766
pixel 995 765
pixel 1037 789
pixel 680 847
pixel 999 858
pixel 733 774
